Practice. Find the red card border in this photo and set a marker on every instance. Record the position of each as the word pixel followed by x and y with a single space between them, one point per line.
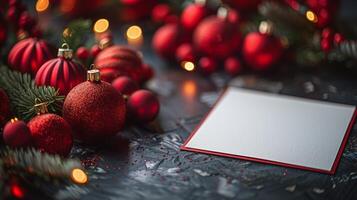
pixel 332 171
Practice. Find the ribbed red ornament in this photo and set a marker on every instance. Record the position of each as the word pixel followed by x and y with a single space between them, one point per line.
pixel 61 72
pixel 28 55
pixel 119 60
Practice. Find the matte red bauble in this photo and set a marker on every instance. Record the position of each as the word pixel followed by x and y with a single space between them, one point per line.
pixel 117 61
pixel 261 51
pixel 125 85
pixel 143 106
pixel 217 37
pixel 28 55
pixel 232 66
pixel 82 53
pixel 166 40
pixel 51 133
pixel 4 107
pixel 61 72
pixel 207 65
pixel 16 134
pixel 192 15
pixel 160 12
pixel 94 109
pixel 185 52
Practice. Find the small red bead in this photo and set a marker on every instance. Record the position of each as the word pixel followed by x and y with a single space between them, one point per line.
pixel 338 38
pixel 160 12
pixel 327 33
pixel 325 45
pixel 82 53
pixel 185 52
pixel 148 72
pixel 17 134
pixel 232 66
pixel 143 106
pixel 207 65
pixel 94 51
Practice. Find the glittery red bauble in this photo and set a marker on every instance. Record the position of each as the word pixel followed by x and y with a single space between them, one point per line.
pixel 243 5
pixel 192 15
pixel 117 61
pixel 60 73
pixel 143 106
pixel 125 85
pixel 232 66
pixel 160 12
pixel 261 51
pixel 4 107
pixel 51 133
pixel 185 52
pixel 16 134
pixel 95 110
pixel 217 37
pixel 207 65
pixel 28 55
pixel 166 40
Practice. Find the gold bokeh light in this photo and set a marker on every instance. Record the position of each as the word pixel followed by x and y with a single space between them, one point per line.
pixel 42 5
pixel 311 16
pixel 101 25
pixel 188 66
pixel 78 176
pixel 134 32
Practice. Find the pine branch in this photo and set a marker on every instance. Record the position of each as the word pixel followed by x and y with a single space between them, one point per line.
pixel 35 163
pixel 75 33
pixel 23 94
pixel 348 48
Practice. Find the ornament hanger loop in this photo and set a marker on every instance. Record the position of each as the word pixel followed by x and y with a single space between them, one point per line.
pixel 40 107
pixel 65 51
pixel 93 75
pixel 65 46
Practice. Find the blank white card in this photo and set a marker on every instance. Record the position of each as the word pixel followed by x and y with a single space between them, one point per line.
pixel 276 129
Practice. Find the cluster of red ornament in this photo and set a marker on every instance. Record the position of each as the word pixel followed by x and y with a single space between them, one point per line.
pixel 211 41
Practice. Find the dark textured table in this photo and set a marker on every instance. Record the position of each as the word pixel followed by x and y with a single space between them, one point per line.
pixel 146 162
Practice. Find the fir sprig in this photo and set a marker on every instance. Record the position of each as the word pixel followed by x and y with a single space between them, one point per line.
pixel 24 94
pixel 76 32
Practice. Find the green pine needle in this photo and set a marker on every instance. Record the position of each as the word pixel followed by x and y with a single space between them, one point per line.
pixel 24 94
pixel 76 32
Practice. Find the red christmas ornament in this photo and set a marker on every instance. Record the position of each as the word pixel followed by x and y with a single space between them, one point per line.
pixel 125 85
pixel 94 109
pixel 50 133
pixel 207 65
pixel 143 106
pixel 185 52
pixel 117 61
pixel 160 12
pixel 338 38
pixel 28 55
pixel 61 72
pixel 232 66
pixel 16 134
pixel 166 40
pixel 261 50
pixel 94 51
pixel 26 21
pixel 82 53
pixel 3 31
pixel 193 14
pixel 136 9
pixel 4 107
pixel 148 72
pixel 217 37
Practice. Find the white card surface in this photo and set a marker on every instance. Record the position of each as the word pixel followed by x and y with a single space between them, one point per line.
pixel 276 129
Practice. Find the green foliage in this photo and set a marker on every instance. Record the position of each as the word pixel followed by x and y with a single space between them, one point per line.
pixel 76 32
pixel 24 94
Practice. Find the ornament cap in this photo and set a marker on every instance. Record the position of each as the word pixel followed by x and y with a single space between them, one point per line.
pixel 13 120
pixel 65 51
pixel 93 75
pixel 22 34
pixel 223 11
pixel 41 108
pixel 105 42
pixel 200 2
pixel 266 27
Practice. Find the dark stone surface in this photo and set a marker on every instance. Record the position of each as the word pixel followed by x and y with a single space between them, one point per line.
pixel 145 162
